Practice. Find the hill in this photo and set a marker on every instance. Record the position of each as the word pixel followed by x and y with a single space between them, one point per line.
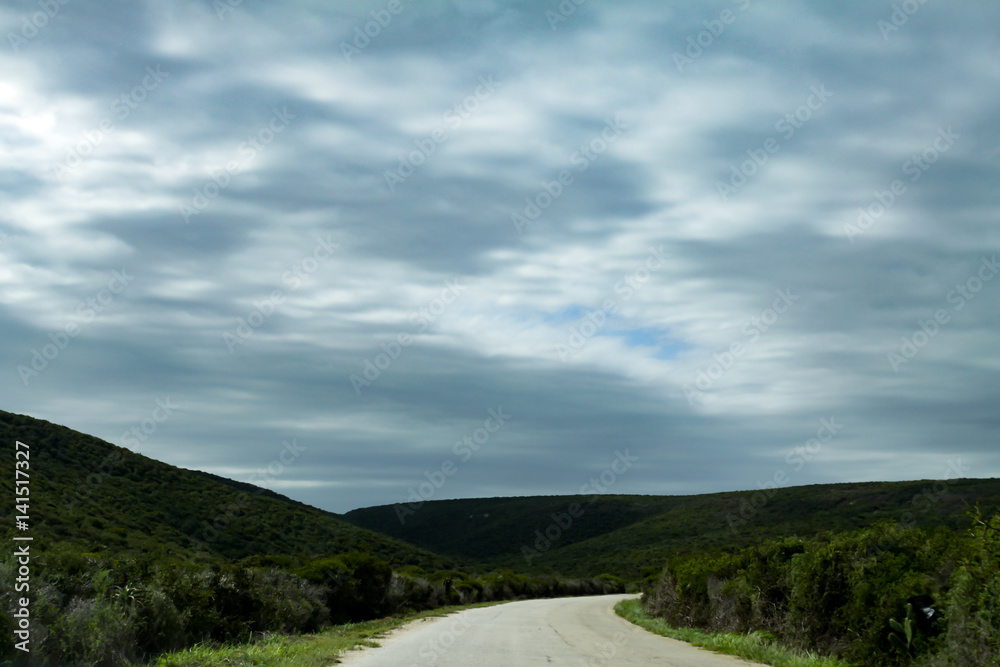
pixel 94 496
pixel 632 536
pixel 132 558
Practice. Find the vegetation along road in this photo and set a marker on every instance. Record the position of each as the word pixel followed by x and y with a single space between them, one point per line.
pixel 583 631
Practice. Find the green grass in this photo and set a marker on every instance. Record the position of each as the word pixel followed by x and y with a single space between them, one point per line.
pixel 758 647
pixel 316 650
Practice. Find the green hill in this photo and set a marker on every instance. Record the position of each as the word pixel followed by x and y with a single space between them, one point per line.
pixel 97 497
pixel 632 536
pixel 131 558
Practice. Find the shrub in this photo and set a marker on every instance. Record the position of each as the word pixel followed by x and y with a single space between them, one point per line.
pixel 160 626
pixel 357 585
pixel 286 603
pixel 94 631
pixel 972 605
pixel 836 593
pixel 93 609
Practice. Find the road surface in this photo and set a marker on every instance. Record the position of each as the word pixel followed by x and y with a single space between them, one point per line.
pixel 561 632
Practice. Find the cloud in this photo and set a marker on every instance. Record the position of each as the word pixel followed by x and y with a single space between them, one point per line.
pixel 299 265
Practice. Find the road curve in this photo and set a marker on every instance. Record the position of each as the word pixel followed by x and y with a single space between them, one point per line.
pixel 578 632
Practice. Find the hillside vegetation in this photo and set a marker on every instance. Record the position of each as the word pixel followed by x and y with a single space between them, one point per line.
pixel 630 536
pixel 885 596
pixel 94 496
pixel 131 558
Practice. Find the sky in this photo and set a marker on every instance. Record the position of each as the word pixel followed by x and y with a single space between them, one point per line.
pixel 364 253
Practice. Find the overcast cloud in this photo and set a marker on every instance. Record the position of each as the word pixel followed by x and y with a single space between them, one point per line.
pixel 689 231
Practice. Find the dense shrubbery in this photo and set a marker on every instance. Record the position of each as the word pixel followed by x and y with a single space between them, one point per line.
pixel 632 535
pixel 838 594
pixel 971 605
pixel 101 610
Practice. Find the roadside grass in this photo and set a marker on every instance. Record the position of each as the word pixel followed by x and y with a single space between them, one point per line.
pixel 758 647
pixel 314 650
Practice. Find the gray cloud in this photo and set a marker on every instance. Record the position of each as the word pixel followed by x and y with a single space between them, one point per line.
pixel 304 268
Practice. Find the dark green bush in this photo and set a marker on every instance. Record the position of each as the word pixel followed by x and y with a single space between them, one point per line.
pixel 98 609
pixel 95 631
pixel 971 607
pixel 837 593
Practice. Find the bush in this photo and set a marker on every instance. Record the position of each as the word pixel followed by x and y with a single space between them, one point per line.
pixel 972 605
pixel 94 632
pixel 285 603
pixel 357 585
pixel 92 609
pixel 837 593
pixel 160 626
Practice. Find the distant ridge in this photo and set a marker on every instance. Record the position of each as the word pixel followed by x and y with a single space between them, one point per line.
pixel 632 536
pixel 95 496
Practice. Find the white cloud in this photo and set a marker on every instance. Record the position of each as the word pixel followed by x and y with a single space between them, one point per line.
pixel 525 294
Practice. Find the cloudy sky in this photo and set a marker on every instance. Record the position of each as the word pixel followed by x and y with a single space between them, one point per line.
pixel 357 243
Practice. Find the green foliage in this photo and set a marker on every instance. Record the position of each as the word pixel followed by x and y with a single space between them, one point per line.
pixel 882 596
pixel 116 609
pixel 971 605
pixel 903 636
pixel 760 647
pixel 94 631
pixel 91 496
pixel 629 536
pixel 136 558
